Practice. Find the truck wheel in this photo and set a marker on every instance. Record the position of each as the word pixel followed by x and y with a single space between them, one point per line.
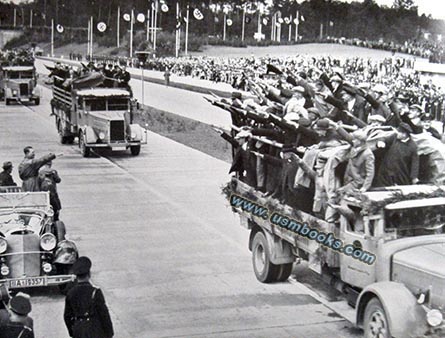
pixel 7 102
pixel 60 230
pixel 135 150
pixel 84 149
pixel 37 101
pixel 376 322
pixel 284 271
pixel 62 138
pixel 265 270
pixel 70 139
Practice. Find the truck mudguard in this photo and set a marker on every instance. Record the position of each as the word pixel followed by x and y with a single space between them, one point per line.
pixel 280 251
pixel 402 311
pixel 137 132
pixel 90 135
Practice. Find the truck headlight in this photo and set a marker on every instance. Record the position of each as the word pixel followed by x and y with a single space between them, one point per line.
pixel 434 317
pixel 3 245
pixel 48 242
pixel 14 92
pixel 133 135
pixel 101 135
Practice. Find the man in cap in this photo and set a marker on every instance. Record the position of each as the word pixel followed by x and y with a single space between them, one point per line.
pixel 14 320
pixel 48 180
pixel 400 164
pixel 6 179
pixel 29 169
pixel 426 120
pixel 86 314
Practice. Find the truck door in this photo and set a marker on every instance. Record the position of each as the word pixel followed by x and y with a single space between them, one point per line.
pixel 357 261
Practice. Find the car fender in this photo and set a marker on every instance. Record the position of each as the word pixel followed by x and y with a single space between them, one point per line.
pixel 138 132
pixel 66 252
pixel 405 316
pixel 280 251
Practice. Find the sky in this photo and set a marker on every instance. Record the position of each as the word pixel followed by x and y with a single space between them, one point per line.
pixel 434 7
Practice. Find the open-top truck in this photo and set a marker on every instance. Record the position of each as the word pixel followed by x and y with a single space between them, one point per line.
pixel 18 84
pixel 100 118
pixel 388 258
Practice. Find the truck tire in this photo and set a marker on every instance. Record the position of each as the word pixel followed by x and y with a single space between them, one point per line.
pixel 265 270
pixel 284 271
pixel 62 138
pixel 70 139
pixel 7 102
pixel 37 101
pixel 135 150
pixel 375 320
pixel 84 149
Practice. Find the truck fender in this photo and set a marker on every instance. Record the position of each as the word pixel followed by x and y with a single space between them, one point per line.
pixel 137 132
pixel 89 133
pixel 405 316
pixel 8 92
pixel 280 251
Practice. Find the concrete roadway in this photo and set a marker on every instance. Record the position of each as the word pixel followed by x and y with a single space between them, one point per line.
pixel 167 251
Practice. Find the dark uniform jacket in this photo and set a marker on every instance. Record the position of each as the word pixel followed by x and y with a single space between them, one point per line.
pixel 86 314
pixel 6 180
pixel 10 329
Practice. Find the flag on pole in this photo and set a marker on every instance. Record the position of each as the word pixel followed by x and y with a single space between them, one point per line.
pixel 302 18
pixel 197 14
pixel 331 23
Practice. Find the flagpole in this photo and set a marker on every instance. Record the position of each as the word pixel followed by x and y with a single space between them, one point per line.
pixel 131 33
pixel 88 39
pixel 259 25
pixel 272 28
pixel 224 27
pixel 152 22
pixel 52 37
pixel 148 24
pixel 156 25
pixel 30 19
pixel 290 29
pixel 15 16
pixel 187 31
pixel 92 30
pixel 118 25
pixel 177 30
pixel 244 22
pixel 296 25
pixel 321 31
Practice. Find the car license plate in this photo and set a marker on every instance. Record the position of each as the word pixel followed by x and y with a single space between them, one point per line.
pixel 27 282
pixel 119 148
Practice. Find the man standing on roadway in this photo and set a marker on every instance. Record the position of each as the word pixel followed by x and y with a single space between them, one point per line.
pixel 86 314
pixel 6 179
pixel 29 169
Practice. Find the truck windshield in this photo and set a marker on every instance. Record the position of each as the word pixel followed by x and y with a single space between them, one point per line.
pixel 96 104
pixel 13 75
pixel 117 104
pixel 429 219
pixel 26 75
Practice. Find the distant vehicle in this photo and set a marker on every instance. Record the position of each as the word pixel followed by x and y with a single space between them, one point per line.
pixel 387 259
pixel 33 249
pixel 18 83
pixel 99 117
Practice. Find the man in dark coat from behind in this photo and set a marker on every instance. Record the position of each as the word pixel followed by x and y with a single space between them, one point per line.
pixel 6 179
pixel 86 314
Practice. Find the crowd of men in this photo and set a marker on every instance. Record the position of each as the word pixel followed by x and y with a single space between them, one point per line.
pixel 304 137
pixel 16 57
pixel 103 74
pixel 36 174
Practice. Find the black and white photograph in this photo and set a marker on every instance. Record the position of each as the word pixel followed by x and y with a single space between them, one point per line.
pixel 222 169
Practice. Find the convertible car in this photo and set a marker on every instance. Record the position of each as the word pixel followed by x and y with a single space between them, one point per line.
pixel 33 248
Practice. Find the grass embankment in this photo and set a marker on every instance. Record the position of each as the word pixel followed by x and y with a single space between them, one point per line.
pixel 194 134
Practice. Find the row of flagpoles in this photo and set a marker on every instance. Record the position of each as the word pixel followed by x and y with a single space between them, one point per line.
pixel 151 21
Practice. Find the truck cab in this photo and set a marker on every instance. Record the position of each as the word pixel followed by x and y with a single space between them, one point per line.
pixel 18 83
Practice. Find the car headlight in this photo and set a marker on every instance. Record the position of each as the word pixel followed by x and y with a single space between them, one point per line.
pixel 4 270
pixel 101 135
pixel 48 242
pixel 434 317
pixel 3 245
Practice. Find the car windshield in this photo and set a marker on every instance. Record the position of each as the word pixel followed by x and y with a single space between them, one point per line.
pixel 424 219
pixel 13 220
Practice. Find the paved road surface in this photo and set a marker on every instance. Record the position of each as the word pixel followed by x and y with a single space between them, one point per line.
pixel 167 251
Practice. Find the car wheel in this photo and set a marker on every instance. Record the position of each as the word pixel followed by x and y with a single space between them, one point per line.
pixel 84 149
pixel 265 270
pixel 284 272
pixel 376 322
pixel 135 150
pixel 60 230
